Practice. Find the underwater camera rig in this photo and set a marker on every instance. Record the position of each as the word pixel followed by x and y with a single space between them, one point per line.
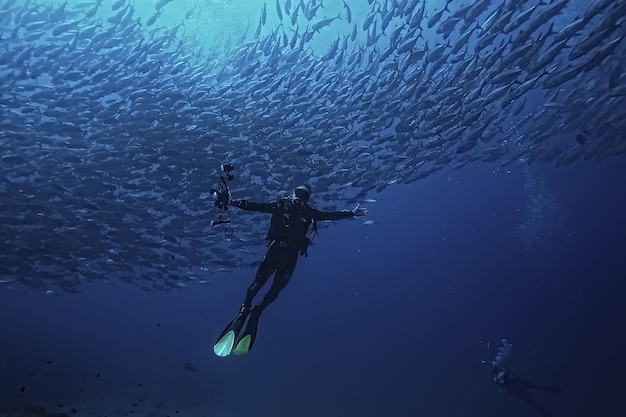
pixel 221 194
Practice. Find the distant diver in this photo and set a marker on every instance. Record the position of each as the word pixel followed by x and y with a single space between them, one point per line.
pixel 522 389
pixel 292 217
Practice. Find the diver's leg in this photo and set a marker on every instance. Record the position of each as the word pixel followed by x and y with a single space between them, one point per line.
pixel 228 340
pixel 527 399
pixel 552 388
pixel 285 264
pixel 266 269
pixel 284 270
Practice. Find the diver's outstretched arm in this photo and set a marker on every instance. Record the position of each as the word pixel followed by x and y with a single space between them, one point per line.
pixel 252 206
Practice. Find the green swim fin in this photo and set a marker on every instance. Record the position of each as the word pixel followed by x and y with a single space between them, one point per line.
pixel 226 340
pixel 246 338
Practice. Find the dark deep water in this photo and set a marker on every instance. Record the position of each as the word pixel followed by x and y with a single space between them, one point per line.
pixel 400 318
pixel 390 319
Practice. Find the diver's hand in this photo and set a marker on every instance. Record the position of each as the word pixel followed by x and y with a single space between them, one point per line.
pixel 358 211
pixel 236 203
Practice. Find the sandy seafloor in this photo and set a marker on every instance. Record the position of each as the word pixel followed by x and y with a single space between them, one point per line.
pixel 143 403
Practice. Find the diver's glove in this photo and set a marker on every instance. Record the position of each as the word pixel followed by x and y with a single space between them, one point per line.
pixel 239 203
pixel 357 211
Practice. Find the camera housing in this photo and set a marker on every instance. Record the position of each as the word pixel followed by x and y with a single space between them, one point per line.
pixel 227 169
pixel 221 194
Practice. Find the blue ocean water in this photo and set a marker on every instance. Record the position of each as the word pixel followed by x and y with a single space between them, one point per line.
pixel 400 317
pixel 393 318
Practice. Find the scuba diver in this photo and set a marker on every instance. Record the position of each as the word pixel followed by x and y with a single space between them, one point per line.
pixel 286 239
pixel 522 389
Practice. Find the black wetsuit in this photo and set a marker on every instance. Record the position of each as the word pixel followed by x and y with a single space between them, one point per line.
pixel 522 389
pixel 286 239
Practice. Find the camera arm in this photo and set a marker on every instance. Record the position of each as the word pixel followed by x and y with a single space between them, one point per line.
pixel 222 194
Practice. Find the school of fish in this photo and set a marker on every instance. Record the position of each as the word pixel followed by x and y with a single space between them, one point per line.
pixel 113 132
